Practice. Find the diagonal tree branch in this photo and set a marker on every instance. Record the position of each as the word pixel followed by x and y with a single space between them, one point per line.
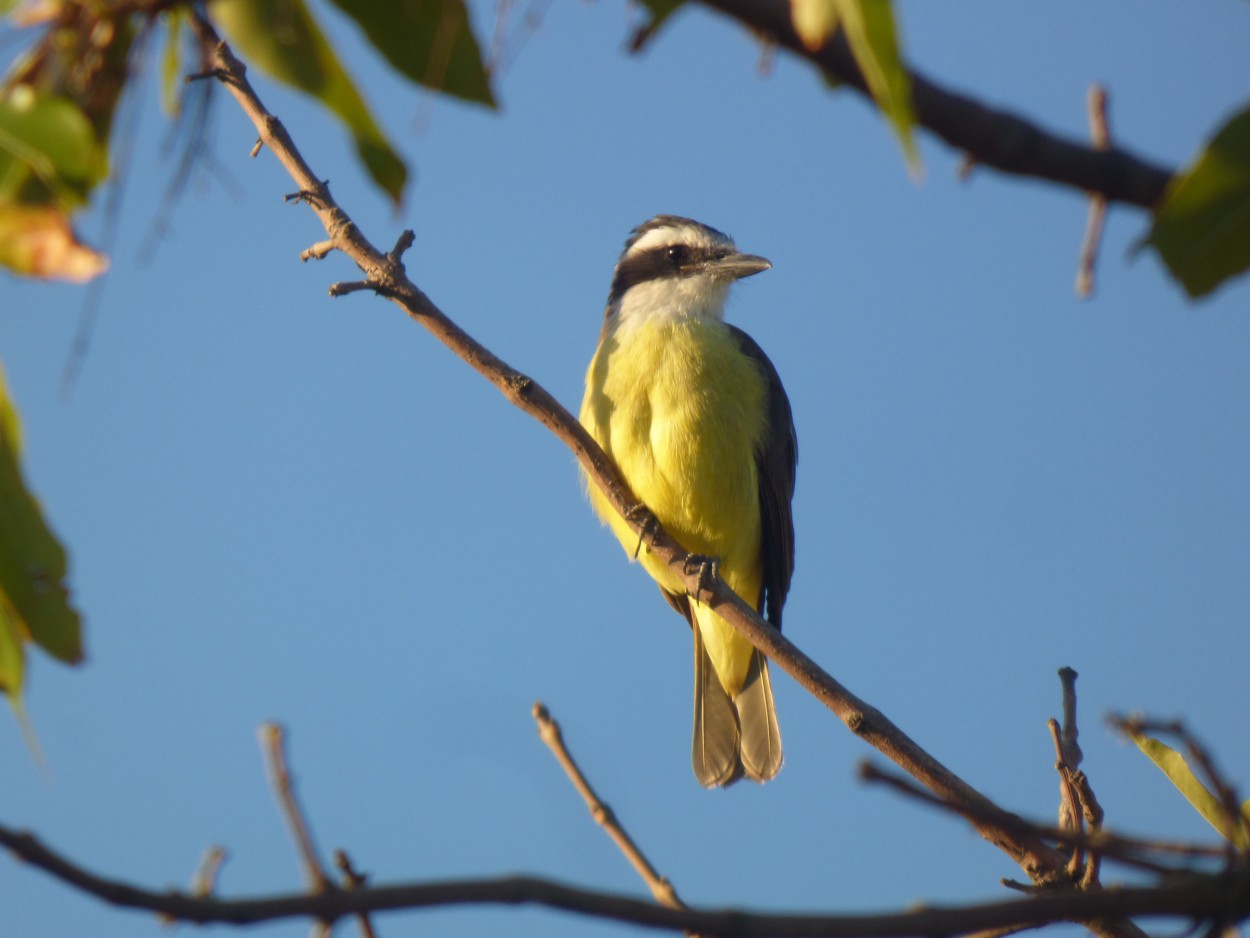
pixel 550 733
pixel 990 136
pixel 385 275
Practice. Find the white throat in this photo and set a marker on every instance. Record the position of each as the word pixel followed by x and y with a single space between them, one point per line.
pixel 672 300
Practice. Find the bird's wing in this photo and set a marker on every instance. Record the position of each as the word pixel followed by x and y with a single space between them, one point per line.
pixel 776 462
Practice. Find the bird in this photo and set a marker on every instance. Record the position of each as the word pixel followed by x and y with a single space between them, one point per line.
pixel 695 418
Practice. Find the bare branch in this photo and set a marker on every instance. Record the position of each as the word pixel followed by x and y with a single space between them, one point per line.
pixel 1131 851
pixel 1071 748
pixel 1219 898
pixel 205 879
pixel 991 137
pixel 1100 136
pixel 549 732
pixel 352 879
pixel 271 744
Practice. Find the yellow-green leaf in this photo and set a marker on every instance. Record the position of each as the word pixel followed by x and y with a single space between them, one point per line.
pixel 1202 229
pixel 430 42
pixel 34 601
pixel 12 660
pixel 1174 766
pixel 282 38
pixel 171 62
pixel 873 38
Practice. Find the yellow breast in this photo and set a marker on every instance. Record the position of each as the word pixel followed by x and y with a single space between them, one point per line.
pixel 683 412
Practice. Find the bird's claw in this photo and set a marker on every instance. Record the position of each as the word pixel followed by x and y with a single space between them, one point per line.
pixel 648 525
pixel 708 569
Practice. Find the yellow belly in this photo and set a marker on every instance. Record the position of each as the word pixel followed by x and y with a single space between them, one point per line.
pixel 682 412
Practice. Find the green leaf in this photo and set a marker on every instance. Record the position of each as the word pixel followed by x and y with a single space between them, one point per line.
pixel 281 38
pixel 873 38
pixel 49 153
pixel 12 660
pixel 430 42
pixel 34 602
pixel 1174 766
pixel 1202 229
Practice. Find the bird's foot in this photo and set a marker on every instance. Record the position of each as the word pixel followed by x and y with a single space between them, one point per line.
pixel 708 569
pixel 648 525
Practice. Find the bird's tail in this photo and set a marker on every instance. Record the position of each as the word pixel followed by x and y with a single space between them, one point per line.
pixel 733 737
pixel 757 717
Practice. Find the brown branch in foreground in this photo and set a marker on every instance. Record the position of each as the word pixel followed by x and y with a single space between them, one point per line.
pixel 386 275
pixel 990 137
pixel 1216 898
pixel 1131 851
pixel 549 732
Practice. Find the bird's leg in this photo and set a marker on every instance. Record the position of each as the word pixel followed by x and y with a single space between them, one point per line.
pixel 708 569
pixel 647 522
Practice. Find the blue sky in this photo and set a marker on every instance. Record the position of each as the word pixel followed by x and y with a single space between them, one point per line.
pixel 285 507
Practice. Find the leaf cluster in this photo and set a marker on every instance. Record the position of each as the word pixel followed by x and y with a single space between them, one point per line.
pixel 58 100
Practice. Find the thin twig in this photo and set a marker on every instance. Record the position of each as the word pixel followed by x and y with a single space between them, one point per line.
pixel 1071 817
pixel 549 732
pixel 205 878
pixel 1072 754
pixel 1131 851
pixel 272 747
pixel 353 879
pixel 1100 137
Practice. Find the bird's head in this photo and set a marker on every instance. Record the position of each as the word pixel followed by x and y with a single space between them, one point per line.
pixel 677 269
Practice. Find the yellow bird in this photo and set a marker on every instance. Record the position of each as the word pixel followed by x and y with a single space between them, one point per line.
pixel 694 415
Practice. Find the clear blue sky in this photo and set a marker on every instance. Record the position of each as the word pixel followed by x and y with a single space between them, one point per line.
pixel 282 506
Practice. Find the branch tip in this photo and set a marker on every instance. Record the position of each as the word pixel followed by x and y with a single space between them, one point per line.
pixel 404 242
pixel 317 251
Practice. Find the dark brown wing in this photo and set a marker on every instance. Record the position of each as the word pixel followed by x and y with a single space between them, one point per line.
pixel 776 462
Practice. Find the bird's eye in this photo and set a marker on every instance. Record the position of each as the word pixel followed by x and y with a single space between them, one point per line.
pixel 678 254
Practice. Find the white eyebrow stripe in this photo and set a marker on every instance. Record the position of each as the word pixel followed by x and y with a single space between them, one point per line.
pixel 685 234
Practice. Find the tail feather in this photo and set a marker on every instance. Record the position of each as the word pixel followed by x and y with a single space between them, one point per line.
pixel 757 717
pixel 715 752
